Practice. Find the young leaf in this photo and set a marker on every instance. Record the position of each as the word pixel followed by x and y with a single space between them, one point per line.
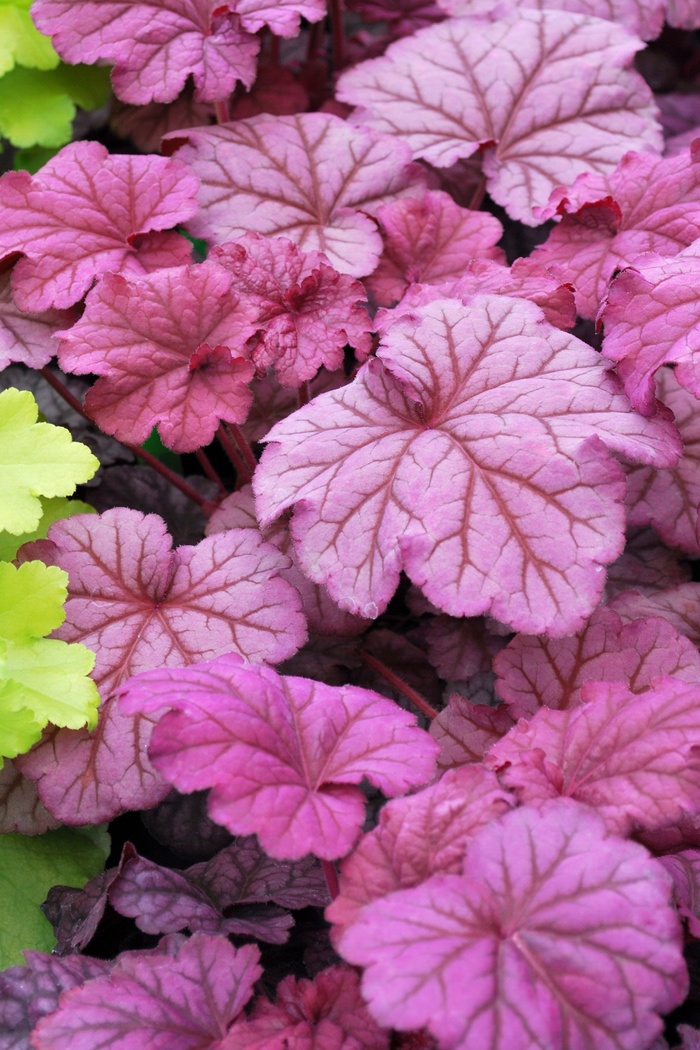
pixel 36 459
pixel 571 106
pixel 20 42
pixel 281 754
pixel 485 959
pixel 467 456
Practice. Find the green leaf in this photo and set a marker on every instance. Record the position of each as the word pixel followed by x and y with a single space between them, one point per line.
pixel 52 510
pixel 31 600
pixel 36 459
pixel 37 107
pixel 20 41
pixel 29 867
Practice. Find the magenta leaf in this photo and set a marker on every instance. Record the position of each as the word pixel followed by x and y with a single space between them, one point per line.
pixel 646 204
pixel 86 212
pixel 536 672
pixel 185 1002
pixel 155 46
pixel 281 754
pixel 641 17
pixel 680 605
pixel 327 1013
pixel 682 13
pixel 429 241
pixel 465 731
pixel 171 348
pixel 27 337
pixel 418 836
pixel 413 464
pixel 632 757
pixel 460 648
pixel 669 499
pixel 448 955
pixel 305 311
pixel 573 106
pixel 684 869
pixel 311 178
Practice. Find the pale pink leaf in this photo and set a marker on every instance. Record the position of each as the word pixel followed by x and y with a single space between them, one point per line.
pixel 156 46
pixel 546 95
pixel 645 565
pixel 680 605
pixel 27 337
pixel 410 467
pixel 305 312
pixel 684 869
pixel 651 318
pixel 635 758
pixel 281 754
pixel 327 1013
pixel 485 959
pixel 185 1001
pixel 465 731
pixel 429 241
pixel 647 203
pixel 418 836
pixel 536 672
pixel 641 17
pixel 280 16
pixel 171 348
pixel 310 177
pixel 86 212
pixel 669 499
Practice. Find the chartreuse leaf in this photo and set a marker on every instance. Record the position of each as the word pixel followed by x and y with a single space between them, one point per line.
pixel 37 106
pixel 54 509
pixel 36 459
pixel 29 867
pixel 20 41
pixel 41 680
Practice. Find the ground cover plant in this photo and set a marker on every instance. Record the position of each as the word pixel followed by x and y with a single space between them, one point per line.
pixel 349 614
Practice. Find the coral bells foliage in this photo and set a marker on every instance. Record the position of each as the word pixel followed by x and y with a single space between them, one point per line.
pixel 388 660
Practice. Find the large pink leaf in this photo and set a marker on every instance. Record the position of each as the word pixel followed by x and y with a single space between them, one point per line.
pixel 156 46
pixel 311 178
pixel 138 604
pixel 634 758
pixel 27 337
pixel 422 835
pixel 536 672
pixel 185 1002
pixel 485 959
pixel 651 318
pixel 171 347
pixel 641 17
pixel 546 95
pixel 413 464
pixel 647 204
pixel 669 499
pixel 429 241
pixel 86 212
pixel 281 754
pixel 305 311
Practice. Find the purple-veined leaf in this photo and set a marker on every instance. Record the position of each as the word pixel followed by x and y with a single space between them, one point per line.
pixel 641 17
pixel 465 731
pixel 27 337
pixel 171 350
pixel 281 754
pixel 185 1002
pixel 304 311
pixel 536 672
pixel 546 95
pixel 466 456
pixel 647 203
pixel 680 605
pixel 310 177
pixel 86 212
pixel 635 758
pixel 424 834
pixel 485 958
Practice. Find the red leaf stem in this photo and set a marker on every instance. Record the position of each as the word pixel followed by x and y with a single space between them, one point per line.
pixel 416 699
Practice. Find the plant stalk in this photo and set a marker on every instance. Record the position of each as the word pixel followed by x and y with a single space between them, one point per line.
pixel 398 683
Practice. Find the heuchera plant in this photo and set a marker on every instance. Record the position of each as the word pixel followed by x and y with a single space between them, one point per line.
pixel 383 667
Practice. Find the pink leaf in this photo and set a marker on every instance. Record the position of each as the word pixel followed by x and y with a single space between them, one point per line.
pixel 485 959
pixel 20 807
pixel 634 758
pixel 311 178
pixel 651 319
pixel 185 1002
pixel 27 337
pixel 327 1013
pixel 683 13
pixel 280 16
pixel 647 203
pixel 645 565
pixel 641 17
pixel 411 465
pixel 146 125
pixel 680 605
pixel 154 46
pixel 418 836
pixel 572 106
pixel 86 212
pixel 549 672
pixel 171 348
pixel 429 241
pixel 281 754
pixel 460 648
pixel 684 869
pixel 305 311
pixel 465 731
pixel 669 499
